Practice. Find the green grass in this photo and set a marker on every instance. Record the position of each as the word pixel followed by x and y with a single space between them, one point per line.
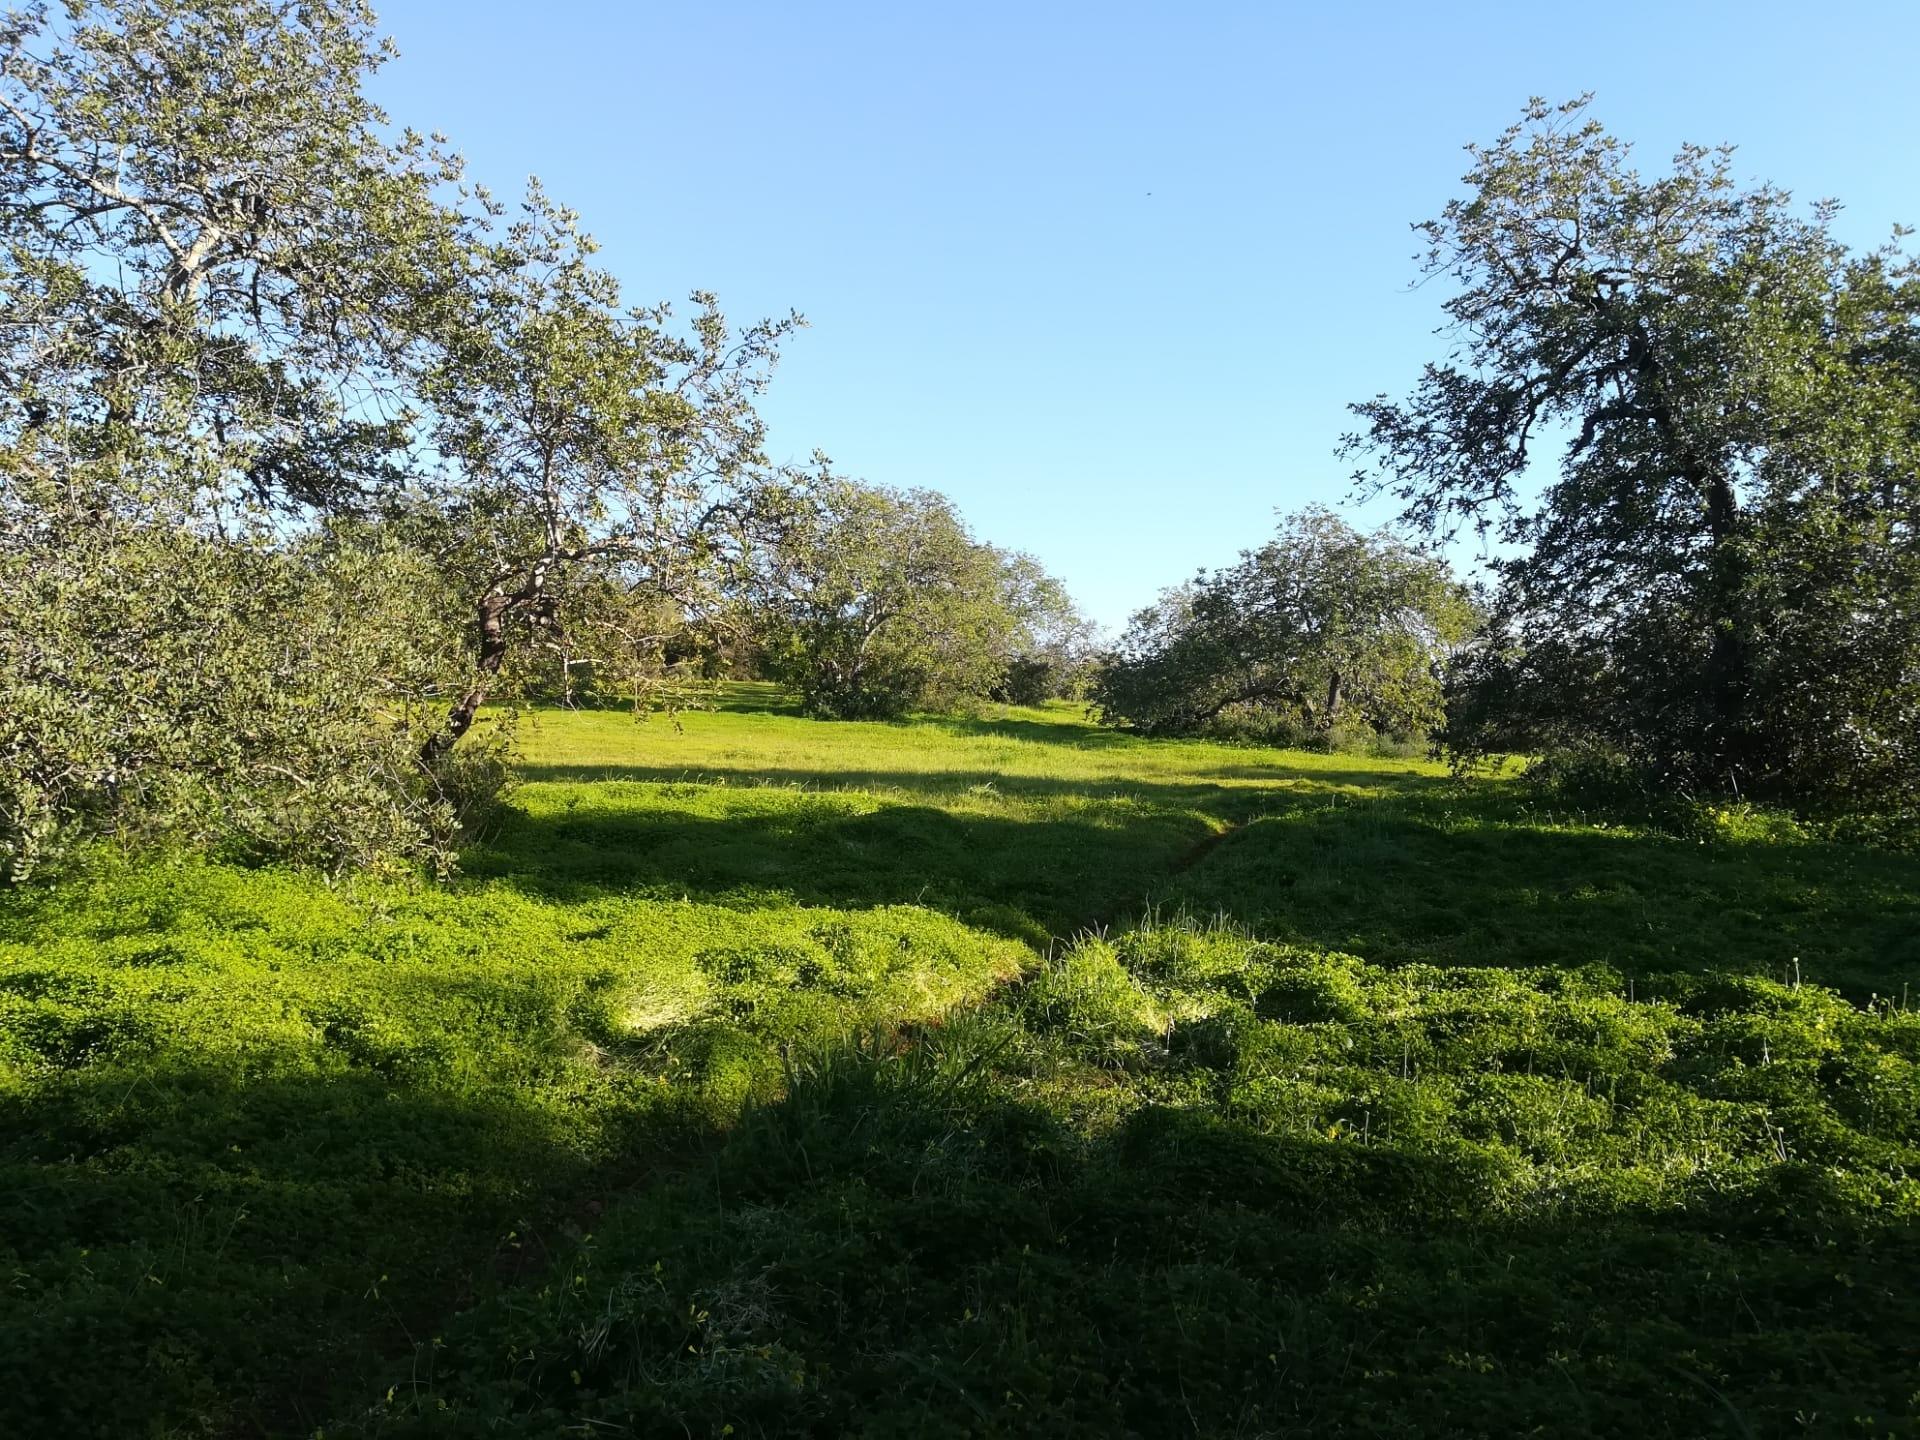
pixel 1039 824
pixel 753 1075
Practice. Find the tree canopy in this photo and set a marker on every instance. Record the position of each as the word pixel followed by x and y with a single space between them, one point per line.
pixel 1718 574
pixel 874 602
pixel 580 433
pixel 1320 626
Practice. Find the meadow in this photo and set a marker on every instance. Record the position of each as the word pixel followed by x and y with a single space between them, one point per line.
pixel 981 1075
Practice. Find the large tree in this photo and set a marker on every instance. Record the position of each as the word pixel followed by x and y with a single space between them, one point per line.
pixel 1322 624
pixel 875 602
pixel 215 258
pixel 1691 416
pixel 579 432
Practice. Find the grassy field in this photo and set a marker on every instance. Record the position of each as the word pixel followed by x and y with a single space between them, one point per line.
pixel 998 1075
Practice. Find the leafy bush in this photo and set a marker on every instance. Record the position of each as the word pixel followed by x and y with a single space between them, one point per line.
pixel 1590 782
pixel 473 782
pixel 158 683
pixel 1031 680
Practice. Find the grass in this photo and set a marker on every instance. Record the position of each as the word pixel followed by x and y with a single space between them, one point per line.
pixel 974 1076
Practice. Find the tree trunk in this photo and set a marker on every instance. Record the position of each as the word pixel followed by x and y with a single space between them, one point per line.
pixel 1729 662
pixel 1333 699
pixel 492 614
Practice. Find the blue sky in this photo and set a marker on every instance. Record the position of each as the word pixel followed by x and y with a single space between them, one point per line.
pixel 1108 275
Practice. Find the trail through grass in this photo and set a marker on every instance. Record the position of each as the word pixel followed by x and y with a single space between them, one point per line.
pixel 753 1076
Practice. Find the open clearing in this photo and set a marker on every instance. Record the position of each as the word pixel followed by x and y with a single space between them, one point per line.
pixel 971 1076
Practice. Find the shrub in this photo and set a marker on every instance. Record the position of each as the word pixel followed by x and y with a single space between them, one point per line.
pixel 159 683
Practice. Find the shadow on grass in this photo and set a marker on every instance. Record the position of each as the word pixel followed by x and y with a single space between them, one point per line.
pixel 733 700
pixel 1451 878
pixel 1432 872
pixel 1077 734
pixel 1284 784
pixel 1027 879
pixel 201 1250
pixel 899 1248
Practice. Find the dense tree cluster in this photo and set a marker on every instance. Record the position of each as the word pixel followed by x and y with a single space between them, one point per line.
pixel 212 266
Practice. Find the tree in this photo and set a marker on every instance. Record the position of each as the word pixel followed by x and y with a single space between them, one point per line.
pixel 213 260
pixel 1321 626
pixel 214 252
pixel 583 434
pixel 1053 644
pixel 875 602
pixel 1718 579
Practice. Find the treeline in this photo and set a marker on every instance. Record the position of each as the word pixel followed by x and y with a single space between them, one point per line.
pixel 1689 418
pixel 313 448
pixel 869 603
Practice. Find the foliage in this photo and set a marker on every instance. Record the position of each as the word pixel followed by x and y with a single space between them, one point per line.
pixel 587 435
pixel 1721 581
pixel 874 602
pixel 267 366
pixel 1054 646
pixel 606 642
pixel 214 259
pixel 218 250
pixel 1320 625
pixel 234 693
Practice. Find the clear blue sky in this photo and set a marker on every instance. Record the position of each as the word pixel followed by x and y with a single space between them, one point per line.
pixel 1108 274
